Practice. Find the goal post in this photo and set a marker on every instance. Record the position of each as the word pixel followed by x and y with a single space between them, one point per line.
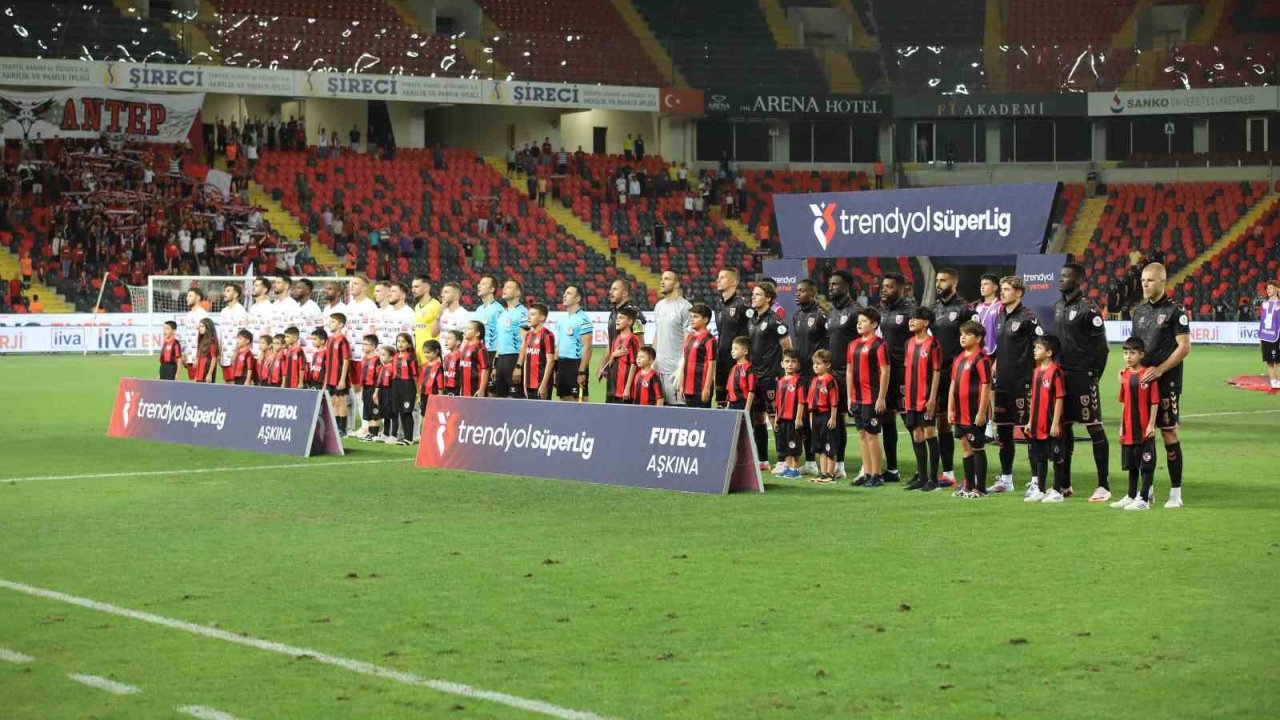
pixel 164 298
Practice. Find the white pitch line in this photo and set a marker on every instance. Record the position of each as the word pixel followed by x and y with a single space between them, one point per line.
pixel 205 713
pixel 200 471
pixel 14 656
pixel 111 686
pixel 357 666
pixel 1232 412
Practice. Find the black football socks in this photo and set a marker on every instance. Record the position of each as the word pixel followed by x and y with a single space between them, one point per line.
pixel 1101 454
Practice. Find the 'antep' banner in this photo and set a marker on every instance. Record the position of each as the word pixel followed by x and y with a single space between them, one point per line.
pixel 707 451
pixel 235 417
pixel 962 220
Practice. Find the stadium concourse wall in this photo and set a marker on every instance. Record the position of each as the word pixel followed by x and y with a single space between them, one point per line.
pixel 122 333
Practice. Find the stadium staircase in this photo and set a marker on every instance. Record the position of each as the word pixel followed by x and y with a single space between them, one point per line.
pixel 993 37
pixel 1086 221
pixel 1233 234
pixel 52 301
pixel 836 66
pixel 862 40
pixel 288 226
pixel 583 233
pixel 190 36
pixel 657 54
pixel 742 233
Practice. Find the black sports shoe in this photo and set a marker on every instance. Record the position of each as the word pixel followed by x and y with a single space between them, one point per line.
pixel 930 486
pixel 861 480
pixel 891 476
pixel 916 483
pixel 874 481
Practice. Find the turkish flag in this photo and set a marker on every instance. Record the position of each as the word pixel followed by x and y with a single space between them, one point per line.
pixel 682 102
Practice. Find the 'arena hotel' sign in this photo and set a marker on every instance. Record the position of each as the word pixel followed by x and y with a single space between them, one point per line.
pixel 765 104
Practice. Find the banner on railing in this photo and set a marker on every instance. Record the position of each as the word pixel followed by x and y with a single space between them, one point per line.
pixel 87 113
pixel 234 417
pixel 706 451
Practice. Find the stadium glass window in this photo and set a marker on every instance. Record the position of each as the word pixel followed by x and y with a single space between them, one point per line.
pixel 1026 140
pixel 967 138
pixel 801 141
pixel 831 142
pixel 1074 139
pixel 866 141
pixel 1227 133
pixel 715 138
pixel 752 142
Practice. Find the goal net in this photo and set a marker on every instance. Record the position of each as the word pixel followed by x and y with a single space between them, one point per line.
pixel 169 297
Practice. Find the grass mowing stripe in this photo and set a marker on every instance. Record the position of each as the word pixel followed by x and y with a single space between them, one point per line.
pixel 201 471
pixel 357 666
pixel 205 713
pixel 101 683
pixel 13 656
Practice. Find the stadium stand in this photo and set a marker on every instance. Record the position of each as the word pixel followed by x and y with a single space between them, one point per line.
pixel 583 41
pixel 727 43
pixel 1169 223
pixel 84 30
pixel 405 216
pixel 317 35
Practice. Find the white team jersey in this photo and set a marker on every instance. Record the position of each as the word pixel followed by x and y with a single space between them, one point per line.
pixel 261 308
pixel 309 308
pixel 328 310
pixel 361 317
pixel 455 319
pixel 188 333
pixel 231 320
pixel 394 321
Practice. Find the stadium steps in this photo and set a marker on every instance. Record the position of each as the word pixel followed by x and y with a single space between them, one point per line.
pixel 582 232
pixel 776 18
pixel 654 49
pixel 191 38
pixel 52 301
pixel 288 226
pixel 1210 19
pixel 993 37
pixel 862 40
pixel 473 51
pixel 741 232
pixel 841 76
pixel 1229 238
pixel 1086 222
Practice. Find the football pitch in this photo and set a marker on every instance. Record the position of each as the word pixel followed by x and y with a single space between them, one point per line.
pixel 144 580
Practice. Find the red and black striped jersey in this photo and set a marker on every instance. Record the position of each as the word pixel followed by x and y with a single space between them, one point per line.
pixel 316 371
pixel 970 371
pixel 405 366
pixel 294 370
pixel 699 353
pixel 540 345
pixel 923 359
pixel 273 369
pixel 336 352
pixel 474 360
pixel 823 392
pixel 741 382
pixel 386 373
pixel 206 360
pixel 171 351
pixel 244 368
pixel 1048 385
pixel 620 367
pixel 1138 399
pixel 449 370
pixel 864 359
pixel 790 396
pixel 647 387
pixel 369 365
pixel 430 381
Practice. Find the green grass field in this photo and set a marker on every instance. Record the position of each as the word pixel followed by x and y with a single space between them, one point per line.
pixel 803 602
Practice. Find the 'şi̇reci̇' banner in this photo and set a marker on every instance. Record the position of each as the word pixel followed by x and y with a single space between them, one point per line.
pixel 88 113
